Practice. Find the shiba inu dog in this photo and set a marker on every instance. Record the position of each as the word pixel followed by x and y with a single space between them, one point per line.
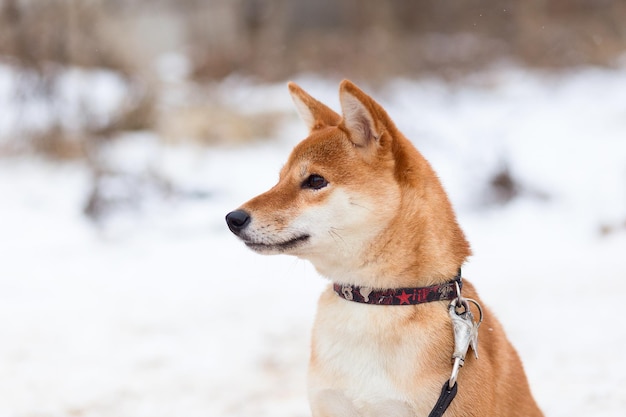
pixel 358 201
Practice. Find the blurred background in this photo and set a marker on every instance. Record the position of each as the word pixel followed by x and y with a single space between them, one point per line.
pixel 129 128
pixel 146 46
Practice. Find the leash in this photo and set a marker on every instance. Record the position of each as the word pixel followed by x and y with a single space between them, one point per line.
pixel 463 323
pixel 445 398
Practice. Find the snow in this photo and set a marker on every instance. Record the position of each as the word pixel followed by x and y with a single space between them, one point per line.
pixel 160 311
pixel 74 99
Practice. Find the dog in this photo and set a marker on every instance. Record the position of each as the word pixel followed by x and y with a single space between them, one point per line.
pixel 360 202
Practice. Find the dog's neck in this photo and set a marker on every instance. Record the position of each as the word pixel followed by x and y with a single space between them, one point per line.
pixel 383 271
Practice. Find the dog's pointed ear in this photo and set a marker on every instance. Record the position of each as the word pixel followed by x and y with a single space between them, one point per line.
pixel 315 114
pixel 361 115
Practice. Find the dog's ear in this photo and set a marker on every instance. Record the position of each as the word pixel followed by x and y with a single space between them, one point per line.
pixel 315 114
pixel 363 119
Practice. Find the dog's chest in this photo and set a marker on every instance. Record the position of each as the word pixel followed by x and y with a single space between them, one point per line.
pixel 360 367
pixel 369 352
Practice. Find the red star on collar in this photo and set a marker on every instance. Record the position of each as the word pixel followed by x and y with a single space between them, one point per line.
pixel 404 298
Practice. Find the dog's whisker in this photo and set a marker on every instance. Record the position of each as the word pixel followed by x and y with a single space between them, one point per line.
pixel 334 234
pixel 352 203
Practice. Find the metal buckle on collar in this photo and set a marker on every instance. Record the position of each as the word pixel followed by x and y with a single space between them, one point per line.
pixel 465 331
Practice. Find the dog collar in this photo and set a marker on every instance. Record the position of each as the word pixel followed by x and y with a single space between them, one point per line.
pixel 400 296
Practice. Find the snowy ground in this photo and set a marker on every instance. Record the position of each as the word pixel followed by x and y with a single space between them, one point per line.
pixel 161 312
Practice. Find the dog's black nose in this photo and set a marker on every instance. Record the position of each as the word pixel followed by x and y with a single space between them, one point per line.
pixel 237 221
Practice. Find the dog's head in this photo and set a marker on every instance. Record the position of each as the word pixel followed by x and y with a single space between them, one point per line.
pixel 340 189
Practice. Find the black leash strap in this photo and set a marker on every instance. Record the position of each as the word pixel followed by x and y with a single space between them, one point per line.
pixel 446 397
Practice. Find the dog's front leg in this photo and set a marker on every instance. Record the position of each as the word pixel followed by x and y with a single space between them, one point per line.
pixel 389 408
pixel 333 403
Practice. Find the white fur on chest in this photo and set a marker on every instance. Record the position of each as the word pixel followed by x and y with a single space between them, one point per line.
pixel 360 351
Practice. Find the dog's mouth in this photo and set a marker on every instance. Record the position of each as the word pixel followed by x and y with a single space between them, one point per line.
pixel 277 247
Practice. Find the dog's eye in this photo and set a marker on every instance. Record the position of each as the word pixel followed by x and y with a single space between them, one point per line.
pixel 314 182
